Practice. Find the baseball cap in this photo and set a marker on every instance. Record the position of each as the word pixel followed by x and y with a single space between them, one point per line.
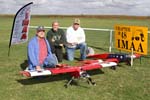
pixel 77 21
pixel 40 28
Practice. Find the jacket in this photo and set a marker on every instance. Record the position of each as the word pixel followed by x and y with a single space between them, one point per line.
pixel 58 36
pixel 33 53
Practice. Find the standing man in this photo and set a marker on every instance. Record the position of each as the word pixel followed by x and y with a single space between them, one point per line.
pixel 39 52
pixel 56 38
pixel 75 37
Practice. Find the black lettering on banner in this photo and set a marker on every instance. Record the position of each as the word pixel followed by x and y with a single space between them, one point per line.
pixel 140 49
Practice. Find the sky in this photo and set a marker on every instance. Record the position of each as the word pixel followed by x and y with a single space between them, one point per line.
pixel 78 7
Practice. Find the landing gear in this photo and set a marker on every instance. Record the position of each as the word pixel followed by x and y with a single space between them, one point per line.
pixel 69 82
pixel 113 67
pixel 83 75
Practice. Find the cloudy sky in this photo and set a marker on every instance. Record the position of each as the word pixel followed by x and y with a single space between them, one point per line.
pixel 99 7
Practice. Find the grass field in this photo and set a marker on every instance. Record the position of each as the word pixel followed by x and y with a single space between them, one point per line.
pixel 125 83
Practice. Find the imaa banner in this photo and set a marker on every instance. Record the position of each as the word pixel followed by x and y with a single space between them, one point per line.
pixel 20 27
pixel 131 37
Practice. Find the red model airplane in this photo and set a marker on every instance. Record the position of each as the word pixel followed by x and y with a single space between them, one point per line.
pixel 109 60
pixel 118 57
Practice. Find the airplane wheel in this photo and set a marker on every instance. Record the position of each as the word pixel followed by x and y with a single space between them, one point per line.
pixel 113 67
pixel 94 84
pixel 65 86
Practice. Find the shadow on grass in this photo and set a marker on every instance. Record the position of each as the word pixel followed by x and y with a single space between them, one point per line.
pixel 45 79
pixel 24 65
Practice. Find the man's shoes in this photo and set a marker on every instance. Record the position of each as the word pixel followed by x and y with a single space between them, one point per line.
pixel 81 59
pixel 61 65
pixel 25 73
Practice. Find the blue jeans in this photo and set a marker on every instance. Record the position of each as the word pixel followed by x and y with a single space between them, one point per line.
pixel 70 51
pixel 52 62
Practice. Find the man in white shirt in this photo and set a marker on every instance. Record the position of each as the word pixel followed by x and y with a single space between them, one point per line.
pixel 75 37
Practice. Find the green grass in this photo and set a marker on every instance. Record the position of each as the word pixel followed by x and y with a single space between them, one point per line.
pixel 125 83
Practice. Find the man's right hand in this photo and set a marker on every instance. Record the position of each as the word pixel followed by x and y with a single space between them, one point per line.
pixel 38 68
pixel 53 40
pixel 61 45
pixel 73 44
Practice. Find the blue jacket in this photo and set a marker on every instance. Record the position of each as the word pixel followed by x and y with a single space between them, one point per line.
pixel 33 53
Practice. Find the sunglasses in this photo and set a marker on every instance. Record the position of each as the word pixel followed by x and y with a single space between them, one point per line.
pixel 41 31
pixel 76 24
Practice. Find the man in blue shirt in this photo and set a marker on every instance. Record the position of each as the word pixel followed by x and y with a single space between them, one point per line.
pixel 39 52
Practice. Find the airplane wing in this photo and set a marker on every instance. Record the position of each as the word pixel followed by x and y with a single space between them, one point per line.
pixel 29 73
pixel 49 71
pixel 87 65
pixel 119 57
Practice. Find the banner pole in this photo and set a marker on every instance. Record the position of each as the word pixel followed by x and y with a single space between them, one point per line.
pixel 8 51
